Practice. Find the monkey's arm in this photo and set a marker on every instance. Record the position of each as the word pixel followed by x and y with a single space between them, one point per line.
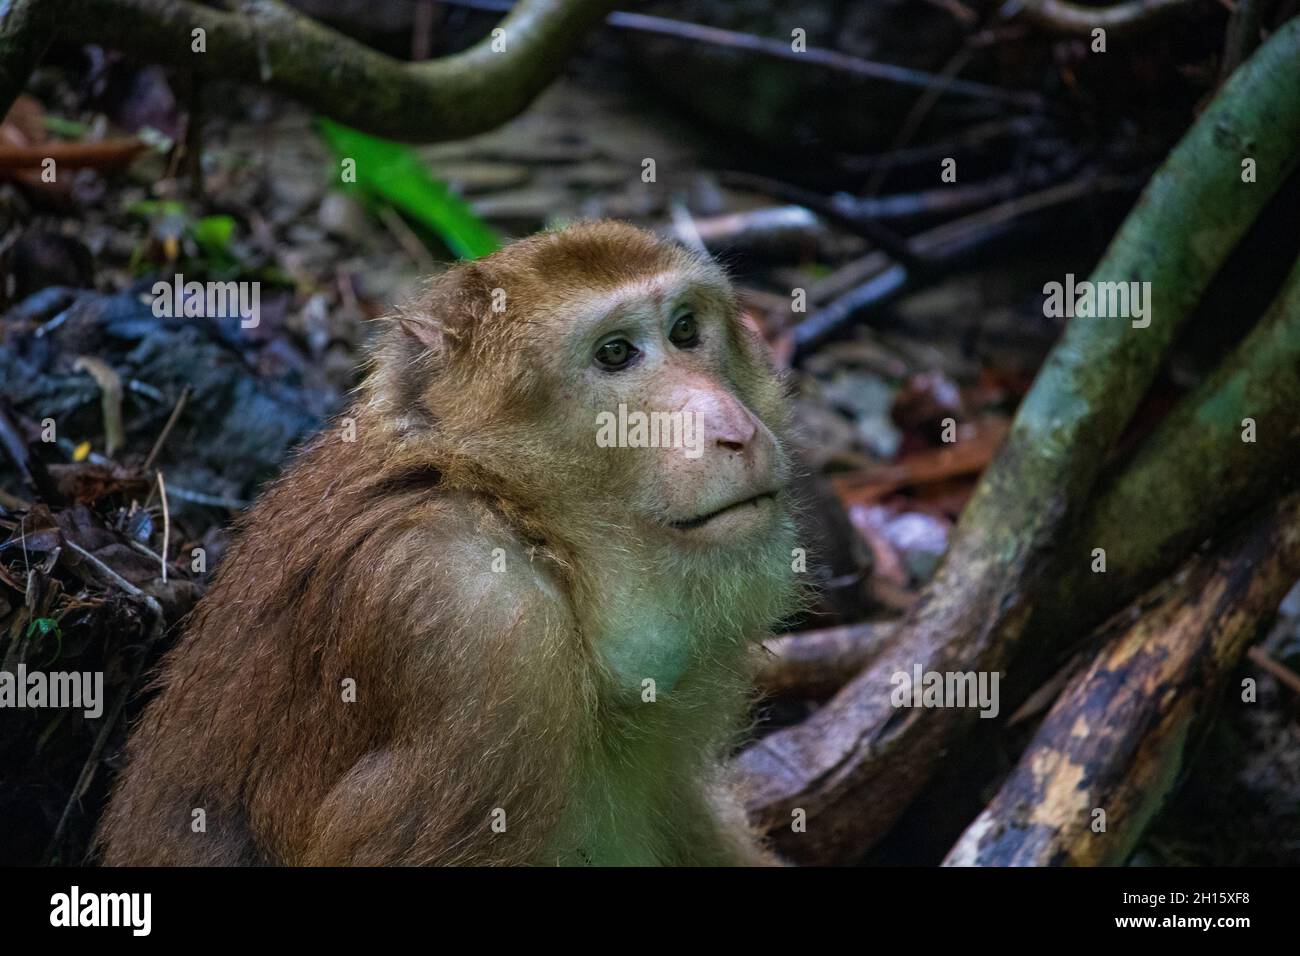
pixel 478 685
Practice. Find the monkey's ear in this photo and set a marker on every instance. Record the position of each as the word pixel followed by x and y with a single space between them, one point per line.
pixel 441 318
pixel 425 331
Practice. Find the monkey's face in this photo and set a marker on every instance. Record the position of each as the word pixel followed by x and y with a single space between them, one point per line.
pixel 672 397
pixel 604 379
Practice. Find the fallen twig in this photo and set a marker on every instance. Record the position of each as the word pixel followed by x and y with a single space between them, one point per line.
pixel 763 228
pixel 781 50
pixel 167 525
pixel 888 279
pixel 1261 658
pixel 167 428
pixel 835 209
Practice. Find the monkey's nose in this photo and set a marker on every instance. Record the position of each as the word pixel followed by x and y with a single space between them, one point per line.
pixel 737 435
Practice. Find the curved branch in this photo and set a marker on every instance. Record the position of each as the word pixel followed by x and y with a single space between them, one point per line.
pixel 266 43
pixel 1190 479
pixel 1061 16
pixel 818 663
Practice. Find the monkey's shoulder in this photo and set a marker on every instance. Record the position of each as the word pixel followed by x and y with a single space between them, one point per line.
pixel 475 556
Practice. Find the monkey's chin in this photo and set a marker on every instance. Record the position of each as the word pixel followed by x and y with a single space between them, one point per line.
pixel 739 520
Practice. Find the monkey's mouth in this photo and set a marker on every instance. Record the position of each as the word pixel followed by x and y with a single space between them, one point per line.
pixel 752 502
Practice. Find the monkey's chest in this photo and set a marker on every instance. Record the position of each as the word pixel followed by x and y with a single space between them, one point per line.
pixel 622 818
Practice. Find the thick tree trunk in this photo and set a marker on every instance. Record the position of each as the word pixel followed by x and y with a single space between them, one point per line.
pixel 1193 477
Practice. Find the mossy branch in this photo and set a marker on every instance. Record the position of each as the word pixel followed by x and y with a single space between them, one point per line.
pixel 1192 478
pixel 266 43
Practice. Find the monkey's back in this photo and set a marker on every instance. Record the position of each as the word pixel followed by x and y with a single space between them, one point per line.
pixel 352 690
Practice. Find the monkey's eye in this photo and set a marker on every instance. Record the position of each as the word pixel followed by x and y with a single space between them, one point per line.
pixel 685 332
pixel 615 353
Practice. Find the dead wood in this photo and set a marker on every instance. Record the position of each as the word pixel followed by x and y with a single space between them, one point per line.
pixel 1121 734
pixel 1192 478
pixel 1061 16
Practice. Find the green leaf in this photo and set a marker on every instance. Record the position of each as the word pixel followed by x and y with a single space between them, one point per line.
pixel 390 173
pixel 150 208
pixel 214 233
pixel 66 128
pixel 45 626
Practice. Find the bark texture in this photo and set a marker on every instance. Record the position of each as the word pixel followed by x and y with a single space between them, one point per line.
pixel 1119 736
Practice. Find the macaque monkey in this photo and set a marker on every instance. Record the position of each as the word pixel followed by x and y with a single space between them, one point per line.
pixel 478 620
